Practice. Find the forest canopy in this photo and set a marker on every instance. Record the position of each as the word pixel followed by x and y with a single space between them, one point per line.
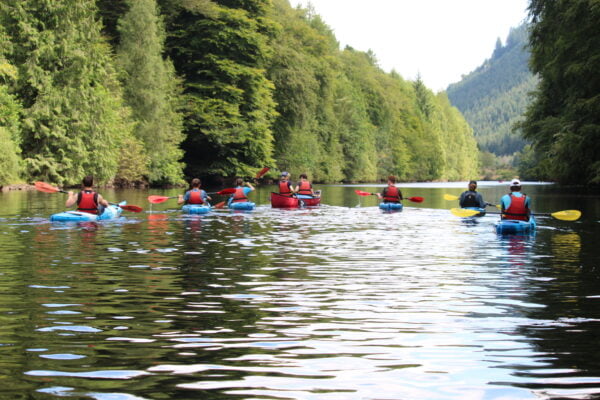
pixel 154 91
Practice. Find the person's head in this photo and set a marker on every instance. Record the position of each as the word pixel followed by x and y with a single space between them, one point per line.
pixel 391 179
pixel 303 176
pixel 285 176
pixel 515 185
pixel 88 181
pixel 472 185
pixel 195 183
pixel 239 182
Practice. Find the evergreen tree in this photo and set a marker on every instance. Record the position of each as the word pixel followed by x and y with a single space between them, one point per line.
pixel 10 111
pixel 221 49
pixel 564 120
pixel 151 90
pixel 73 119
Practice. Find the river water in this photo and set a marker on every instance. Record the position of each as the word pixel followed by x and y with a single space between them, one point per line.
pixel 339 302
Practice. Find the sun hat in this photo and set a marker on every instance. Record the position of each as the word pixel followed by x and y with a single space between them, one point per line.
pixel 515 182
pixel 285 173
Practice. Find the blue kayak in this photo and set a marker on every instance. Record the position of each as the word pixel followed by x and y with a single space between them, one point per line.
pixel 481 211
pixel 196 208
pixel 391 206
pixel 111 212
pixel 508 226
pixel 243 205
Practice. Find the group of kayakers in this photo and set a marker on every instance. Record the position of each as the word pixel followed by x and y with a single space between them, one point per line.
pixel 514 205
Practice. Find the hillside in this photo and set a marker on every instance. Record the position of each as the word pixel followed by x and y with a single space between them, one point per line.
pixel 495 95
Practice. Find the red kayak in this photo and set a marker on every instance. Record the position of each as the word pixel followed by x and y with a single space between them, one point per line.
pixel 280 201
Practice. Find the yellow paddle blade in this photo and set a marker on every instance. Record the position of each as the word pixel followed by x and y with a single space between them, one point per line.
pixel 463 212
pixel 450 197
pixel 567 215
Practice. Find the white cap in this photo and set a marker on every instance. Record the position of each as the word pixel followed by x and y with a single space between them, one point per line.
pixel 515 182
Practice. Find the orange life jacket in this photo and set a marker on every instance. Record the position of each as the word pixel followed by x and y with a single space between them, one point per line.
pixel 305 188
pixel 284 188
pixel 239 196
pixel 517 209
pixel 392 195
pixel 87 201
pixel 195 197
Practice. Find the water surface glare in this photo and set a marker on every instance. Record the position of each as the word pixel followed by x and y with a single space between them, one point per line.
pixel 338 302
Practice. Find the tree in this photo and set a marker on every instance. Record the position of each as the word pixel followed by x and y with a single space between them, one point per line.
pixel 74 118
pixel 563 122
pixel 151 90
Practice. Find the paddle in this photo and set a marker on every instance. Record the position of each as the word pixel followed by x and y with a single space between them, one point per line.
pixel 262 172
pixel 154 199
pixel 415 199
pixel 565 215
pixel 47 188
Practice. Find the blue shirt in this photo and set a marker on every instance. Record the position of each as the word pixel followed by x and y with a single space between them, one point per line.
pixel 186 196
pixel 505 200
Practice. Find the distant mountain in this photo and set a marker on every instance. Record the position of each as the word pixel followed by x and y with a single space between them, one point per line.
pixel 495 95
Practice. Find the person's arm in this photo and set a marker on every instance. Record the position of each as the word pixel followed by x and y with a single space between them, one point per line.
pixel 180 199
pixel 250 186
pixel 101 201
pixel 400 195
pixel 482 204
pixel 71 199
pixel 205 196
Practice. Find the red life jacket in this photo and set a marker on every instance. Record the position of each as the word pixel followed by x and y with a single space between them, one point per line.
pixel 195 197
pixel 517 209
pixel 284 188
pixel 239 196
pixel 304 187
pixel 392 195
pixel 87 201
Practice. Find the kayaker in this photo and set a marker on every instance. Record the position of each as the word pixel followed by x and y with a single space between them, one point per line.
pixel 304 187
pixel 241 191
pixel 391 194
pixel 195 195
pixel 87 199
pixel 285 186
pixel 516 205
pixel 471 198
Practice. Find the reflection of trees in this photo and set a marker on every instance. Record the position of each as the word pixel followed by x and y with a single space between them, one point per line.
pixel 564 332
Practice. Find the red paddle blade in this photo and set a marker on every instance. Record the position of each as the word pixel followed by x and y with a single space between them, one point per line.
pixel 46 187
pixel 227 191
pixel 219 205
pixel 132 208
pixel 262 172
pixel 361 193
pixel 157 199
pixel 415 199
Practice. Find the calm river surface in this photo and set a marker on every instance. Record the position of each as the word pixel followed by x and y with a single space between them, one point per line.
pixel 340 302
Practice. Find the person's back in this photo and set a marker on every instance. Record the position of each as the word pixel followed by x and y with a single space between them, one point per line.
pixel 285 187
pixel 194 195
pixel 471 198
pixel 87 199
pixel 241 191
pixel 304 187
pixel 516 205
pixel 391 194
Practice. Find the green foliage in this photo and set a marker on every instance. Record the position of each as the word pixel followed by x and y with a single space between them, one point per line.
pixel 495 95
pixel 563 122
pixel 74 118
pixel 151 90
pixel 133 163
pixel 222 52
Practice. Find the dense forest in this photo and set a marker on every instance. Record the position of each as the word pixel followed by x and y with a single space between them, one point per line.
pixel 495 95
pixel 154 91
pixel 563 121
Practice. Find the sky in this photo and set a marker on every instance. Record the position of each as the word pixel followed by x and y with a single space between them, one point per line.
pixel 440 40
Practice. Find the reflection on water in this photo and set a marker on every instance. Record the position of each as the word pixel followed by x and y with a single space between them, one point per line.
pixel 337 302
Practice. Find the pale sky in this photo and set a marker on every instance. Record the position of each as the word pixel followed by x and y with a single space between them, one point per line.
pixel 439 39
